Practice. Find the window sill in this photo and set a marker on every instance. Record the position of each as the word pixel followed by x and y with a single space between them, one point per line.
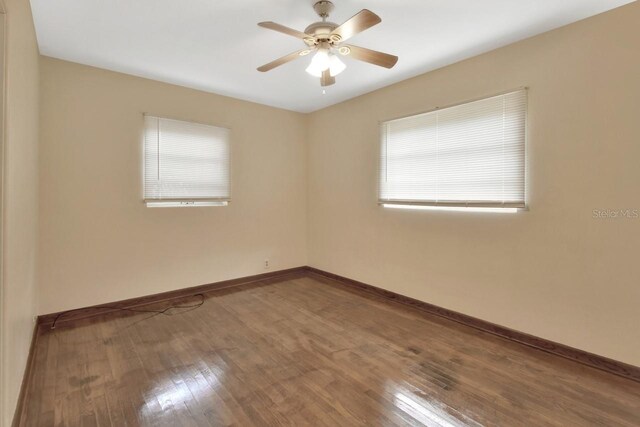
pixel 183 204
pixel 455 208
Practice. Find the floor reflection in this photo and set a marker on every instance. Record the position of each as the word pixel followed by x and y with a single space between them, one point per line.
pixel 428 413
pixel 180 388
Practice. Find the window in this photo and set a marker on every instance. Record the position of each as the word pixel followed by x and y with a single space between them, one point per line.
pixel 185 164
pixel 467 156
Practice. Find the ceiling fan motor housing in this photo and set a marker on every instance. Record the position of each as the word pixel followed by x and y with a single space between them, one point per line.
pixel 321 31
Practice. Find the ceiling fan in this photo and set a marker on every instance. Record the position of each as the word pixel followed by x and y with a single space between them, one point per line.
pixel 326 38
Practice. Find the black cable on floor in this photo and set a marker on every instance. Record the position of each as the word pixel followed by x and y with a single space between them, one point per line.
pixel 110 307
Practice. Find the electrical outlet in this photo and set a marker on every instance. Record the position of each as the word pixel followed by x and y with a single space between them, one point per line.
pixel 266 264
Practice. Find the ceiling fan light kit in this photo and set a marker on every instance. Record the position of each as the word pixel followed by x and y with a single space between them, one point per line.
pixel 326 38
pixel 335 66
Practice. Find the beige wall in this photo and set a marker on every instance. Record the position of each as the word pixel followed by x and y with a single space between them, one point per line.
pixel 99 242
pixel 20 200
pixel 553 271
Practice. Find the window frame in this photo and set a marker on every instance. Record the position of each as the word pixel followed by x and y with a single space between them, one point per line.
pixel 191 201
pixel 469 205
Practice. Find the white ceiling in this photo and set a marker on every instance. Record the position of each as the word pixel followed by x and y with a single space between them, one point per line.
pixel 215 45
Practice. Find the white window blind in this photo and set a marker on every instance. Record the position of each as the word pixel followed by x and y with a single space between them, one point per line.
pixel 185 164
pixel 469 155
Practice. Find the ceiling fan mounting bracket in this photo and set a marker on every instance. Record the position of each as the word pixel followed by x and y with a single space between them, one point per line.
pixel 323 8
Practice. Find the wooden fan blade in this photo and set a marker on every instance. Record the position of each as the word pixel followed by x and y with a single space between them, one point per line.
pixel 372 56
pixel 327 79
pixel 286 30
pixel 356 24
pixel 287 58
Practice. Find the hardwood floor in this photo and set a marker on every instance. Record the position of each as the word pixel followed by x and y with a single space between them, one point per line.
pixel 306 351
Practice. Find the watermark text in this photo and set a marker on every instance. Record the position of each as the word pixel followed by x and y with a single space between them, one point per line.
pixel 616 213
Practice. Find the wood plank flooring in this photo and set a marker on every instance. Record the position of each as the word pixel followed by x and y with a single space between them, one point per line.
pixel 307 351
